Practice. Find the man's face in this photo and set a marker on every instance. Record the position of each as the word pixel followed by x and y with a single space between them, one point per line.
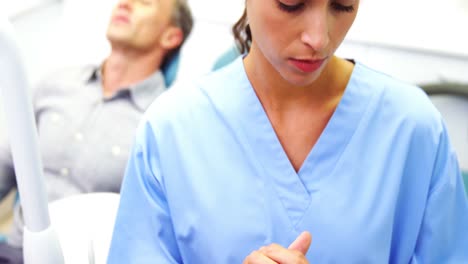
pixel 139 24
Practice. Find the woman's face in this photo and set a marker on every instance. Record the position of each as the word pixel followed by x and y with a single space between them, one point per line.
pixel 299 37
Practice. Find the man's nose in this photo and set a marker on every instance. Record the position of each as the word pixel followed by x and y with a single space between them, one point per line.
pixel 124 4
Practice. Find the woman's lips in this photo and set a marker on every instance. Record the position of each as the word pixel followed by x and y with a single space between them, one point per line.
pixel 307 65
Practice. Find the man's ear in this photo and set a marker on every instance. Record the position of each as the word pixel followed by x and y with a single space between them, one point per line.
pixel 172 38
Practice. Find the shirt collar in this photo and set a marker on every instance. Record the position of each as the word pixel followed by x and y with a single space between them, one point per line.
pixel 142 93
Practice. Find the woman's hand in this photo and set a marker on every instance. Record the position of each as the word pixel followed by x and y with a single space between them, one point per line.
pixel 276 254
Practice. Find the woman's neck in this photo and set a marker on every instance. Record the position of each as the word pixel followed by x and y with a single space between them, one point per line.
pixel 277 93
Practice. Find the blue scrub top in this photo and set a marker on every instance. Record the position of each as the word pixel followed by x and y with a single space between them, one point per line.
pixel 209 182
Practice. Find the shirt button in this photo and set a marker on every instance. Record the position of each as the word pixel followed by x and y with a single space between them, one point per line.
pixel 79 136
pixel 116 150
pixel 64 171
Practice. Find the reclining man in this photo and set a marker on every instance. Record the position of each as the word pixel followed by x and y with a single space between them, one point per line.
pixel 86 117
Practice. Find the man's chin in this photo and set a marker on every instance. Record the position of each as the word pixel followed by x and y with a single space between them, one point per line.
pixel 119 39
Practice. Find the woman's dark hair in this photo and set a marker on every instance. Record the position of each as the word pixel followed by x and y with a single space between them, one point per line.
pixel 242 34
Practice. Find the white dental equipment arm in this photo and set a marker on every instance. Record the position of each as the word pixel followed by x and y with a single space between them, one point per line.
pixel 41 244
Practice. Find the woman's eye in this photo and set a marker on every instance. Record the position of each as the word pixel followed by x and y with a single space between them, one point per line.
pixel 290 8
pixel 342 8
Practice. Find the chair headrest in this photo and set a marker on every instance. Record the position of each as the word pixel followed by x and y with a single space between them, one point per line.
pixel 170 69
pixel 226 57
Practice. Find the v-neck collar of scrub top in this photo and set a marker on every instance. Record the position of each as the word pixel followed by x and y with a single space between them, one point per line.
pixel 294 189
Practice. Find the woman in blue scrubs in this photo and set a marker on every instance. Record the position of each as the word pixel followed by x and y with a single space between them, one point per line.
pixel 289 141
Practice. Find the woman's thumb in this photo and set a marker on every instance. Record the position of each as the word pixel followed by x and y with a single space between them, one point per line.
pixel 302 243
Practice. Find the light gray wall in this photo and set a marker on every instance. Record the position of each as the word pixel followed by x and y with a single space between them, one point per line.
pixel 36 33
pixel 35 30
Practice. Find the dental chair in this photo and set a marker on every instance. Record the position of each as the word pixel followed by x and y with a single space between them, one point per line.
pixel 451 99
pixel 84 225
pixel 226 58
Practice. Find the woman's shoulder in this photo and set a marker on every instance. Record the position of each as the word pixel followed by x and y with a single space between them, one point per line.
pixel 398 98
pixel 195 96
pixel 390 85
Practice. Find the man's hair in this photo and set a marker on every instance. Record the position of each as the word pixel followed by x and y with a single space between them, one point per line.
pixel 183 19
